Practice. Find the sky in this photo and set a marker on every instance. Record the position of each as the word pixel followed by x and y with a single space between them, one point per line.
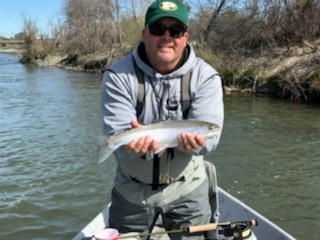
pixel 12 13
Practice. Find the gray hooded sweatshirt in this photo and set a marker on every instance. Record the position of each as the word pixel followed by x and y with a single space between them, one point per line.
pixel 119 93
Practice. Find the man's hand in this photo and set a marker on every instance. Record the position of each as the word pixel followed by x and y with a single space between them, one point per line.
pixel 189 142
pixel 141 145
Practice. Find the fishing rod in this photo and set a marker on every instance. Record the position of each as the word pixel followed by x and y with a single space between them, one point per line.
pixel 238 230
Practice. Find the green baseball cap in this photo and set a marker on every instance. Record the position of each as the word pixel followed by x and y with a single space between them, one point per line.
pixel 167 8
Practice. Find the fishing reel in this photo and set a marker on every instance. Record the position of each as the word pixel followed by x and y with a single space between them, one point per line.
pixel 236 230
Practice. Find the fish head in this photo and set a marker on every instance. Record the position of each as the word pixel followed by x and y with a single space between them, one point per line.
pixel 213 130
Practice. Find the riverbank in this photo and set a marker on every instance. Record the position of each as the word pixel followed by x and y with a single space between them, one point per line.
pixel 292 73
pixel 284 72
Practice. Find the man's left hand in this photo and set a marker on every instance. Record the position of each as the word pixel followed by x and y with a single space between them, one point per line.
pixel 189 142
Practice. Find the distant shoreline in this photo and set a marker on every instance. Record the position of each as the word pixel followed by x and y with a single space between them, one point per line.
pixel 10 50
pixel 274 77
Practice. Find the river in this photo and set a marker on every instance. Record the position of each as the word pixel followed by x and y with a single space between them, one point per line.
pixel 51 184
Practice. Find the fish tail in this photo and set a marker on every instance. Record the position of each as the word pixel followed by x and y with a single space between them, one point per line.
pixel 104 150
pixel 104 153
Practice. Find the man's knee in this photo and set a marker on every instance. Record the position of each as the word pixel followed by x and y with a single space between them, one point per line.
pixel 128 217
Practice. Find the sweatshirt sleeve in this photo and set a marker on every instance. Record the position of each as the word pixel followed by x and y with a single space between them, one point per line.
pixel 207 104
pixel 118 104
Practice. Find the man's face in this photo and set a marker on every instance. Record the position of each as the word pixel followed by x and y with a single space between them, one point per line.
pixel 164 51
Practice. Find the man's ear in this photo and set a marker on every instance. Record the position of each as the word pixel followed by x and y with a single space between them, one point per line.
pixel 187 36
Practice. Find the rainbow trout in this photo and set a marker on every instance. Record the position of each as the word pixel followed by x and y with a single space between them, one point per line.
pixel 165 133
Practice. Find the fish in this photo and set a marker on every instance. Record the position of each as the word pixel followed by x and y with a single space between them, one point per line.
pixel 166 133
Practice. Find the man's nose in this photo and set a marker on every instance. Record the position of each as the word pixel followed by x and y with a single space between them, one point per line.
pixel 167 34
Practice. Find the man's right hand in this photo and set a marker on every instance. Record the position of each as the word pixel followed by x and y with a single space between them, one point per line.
pixel 141 145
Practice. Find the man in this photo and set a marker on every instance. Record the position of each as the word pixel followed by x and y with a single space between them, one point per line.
pixel 175 184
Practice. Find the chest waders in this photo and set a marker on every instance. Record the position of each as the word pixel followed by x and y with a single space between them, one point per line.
pixel 185 102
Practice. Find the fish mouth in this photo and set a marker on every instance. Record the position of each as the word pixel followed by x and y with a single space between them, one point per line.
pixel 213 131
pixel 211 135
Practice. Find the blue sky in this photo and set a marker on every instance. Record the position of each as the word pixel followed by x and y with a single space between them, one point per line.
pixel 12 13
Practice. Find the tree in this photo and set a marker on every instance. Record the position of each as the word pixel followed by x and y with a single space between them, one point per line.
pixel 88 25
pixel 29 35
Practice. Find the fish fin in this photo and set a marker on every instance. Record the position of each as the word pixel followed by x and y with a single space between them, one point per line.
pixel 160 151
pixel 104 150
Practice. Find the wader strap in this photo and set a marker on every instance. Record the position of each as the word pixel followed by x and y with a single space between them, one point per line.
pixel 185 94
pixel 141 90
pixel 170 154
pixel 156 172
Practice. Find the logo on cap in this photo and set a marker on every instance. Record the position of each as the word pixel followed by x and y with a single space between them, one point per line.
pixel 168 6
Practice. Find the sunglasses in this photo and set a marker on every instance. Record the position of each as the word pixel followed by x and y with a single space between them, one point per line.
pixel 158 29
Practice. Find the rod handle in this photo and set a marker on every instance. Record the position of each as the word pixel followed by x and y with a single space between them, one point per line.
pixel 203 228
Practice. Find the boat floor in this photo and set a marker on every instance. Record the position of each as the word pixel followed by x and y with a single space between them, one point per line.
pixel 230 208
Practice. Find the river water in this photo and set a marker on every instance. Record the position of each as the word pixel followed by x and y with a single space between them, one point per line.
pixel 51 184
